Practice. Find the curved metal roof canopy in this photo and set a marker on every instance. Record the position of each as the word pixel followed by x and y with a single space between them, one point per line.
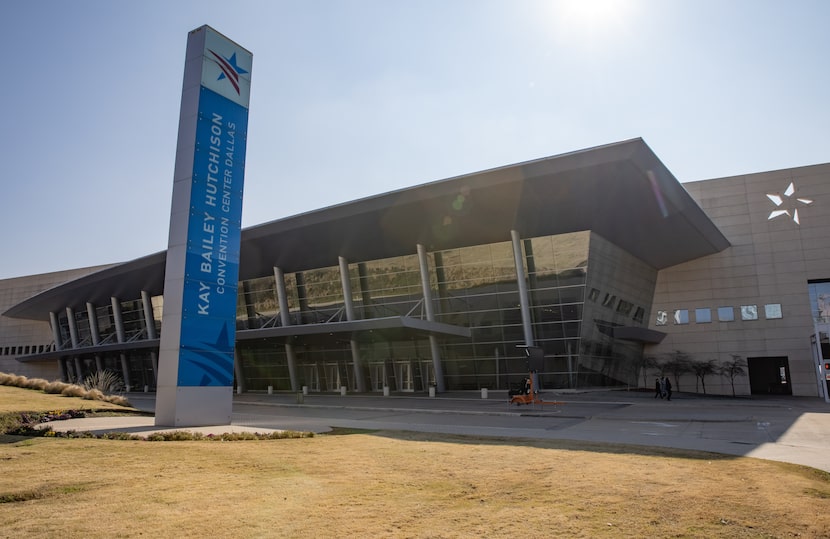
pixel 621 191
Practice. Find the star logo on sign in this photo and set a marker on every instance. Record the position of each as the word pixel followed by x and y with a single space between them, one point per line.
pixel 787 205
pixel 230 69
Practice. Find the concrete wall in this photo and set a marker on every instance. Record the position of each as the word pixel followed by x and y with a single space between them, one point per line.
pixel 770 261
pixel 20 333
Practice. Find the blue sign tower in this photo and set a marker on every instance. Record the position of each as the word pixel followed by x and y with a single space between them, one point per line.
pixel 196 351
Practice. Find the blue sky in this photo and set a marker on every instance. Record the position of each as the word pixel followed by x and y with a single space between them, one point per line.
pixel 359 97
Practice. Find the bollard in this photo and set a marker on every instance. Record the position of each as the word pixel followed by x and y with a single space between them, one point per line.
pixel 127 389
pixel 305 390
pixel 238 390
pixel 483 392
pixel 385 391
pixel 146 389
pixel 270 390
pixel 342 391
pixel 300 397
pixel 431 391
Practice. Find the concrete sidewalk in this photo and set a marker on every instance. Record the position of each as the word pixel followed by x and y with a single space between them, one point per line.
pixel 788 429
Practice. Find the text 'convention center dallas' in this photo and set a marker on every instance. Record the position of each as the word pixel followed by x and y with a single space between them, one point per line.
pixel 596 269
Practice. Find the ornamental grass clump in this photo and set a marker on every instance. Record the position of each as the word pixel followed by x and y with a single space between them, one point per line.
pixel 94 395
pixel 55 387
pixel 35 383
pixel 73 391
pixel 106 381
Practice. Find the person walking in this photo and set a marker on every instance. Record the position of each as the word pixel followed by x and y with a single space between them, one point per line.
pixel 667 386
pixel 658 390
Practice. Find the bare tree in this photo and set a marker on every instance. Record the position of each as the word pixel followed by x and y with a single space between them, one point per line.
pixel 678 364
pixel 701 370
pixel 642 366
pixel 733 368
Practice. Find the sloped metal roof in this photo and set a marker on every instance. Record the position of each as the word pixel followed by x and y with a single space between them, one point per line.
pixel 621 191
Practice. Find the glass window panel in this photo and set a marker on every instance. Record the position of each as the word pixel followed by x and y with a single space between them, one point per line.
pixel 820 301
pixel 571 250
pixel 681 316
pixel 726 314
pixel 749 312
pixel 624 307
pixel 703 316
pixel 662 318
pixel 772 311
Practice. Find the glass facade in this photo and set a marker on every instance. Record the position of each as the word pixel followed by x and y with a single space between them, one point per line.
pixel 580 287
pixel 473 287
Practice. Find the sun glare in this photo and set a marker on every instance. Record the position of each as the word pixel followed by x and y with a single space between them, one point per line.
pixel 591 15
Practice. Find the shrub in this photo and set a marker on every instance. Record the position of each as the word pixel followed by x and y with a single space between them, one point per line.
pixel 94 395
pixel 16 380
pixel 36 383
pixel 117 400
pixel 105 381
pixel 73 391
pixel 55 388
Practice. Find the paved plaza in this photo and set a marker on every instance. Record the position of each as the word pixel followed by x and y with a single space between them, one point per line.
pixel 788 429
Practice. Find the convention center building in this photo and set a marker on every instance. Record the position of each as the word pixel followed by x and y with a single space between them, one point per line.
pixel 595 268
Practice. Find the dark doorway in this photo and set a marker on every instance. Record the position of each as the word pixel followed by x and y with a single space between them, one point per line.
pixel 769 375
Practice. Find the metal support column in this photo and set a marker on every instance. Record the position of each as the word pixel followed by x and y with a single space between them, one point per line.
pixel 239 372
pixel 520 280
pixel 79 371
pixel 94 332
pixel 285 319
pixel 121 336
pixel 73 327
pixel 149 319
pixel 56 330
pixel 150 326
pixel 118 319
pixel 62 367
pixel 430 313
pixel 345 281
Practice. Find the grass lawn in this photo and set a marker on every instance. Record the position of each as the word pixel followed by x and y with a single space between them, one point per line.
pixel 393 484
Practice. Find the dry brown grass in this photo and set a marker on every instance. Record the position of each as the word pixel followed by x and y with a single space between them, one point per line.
pixel 16 394
pixel 16 399
pixel 391 484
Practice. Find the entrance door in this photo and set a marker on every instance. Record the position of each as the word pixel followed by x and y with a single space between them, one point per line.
pixel 403 370
pixel 332 374
pixel 312 377
pixel 377 373
pixel 769 375
pixel 427 374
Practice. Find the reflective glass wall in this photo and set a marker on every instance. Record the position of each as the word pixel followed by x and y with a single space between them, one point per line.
pixel 619 292
pixel 580 287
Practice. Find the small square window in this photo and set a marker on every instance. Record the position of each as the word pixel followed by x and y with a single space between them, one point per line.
pixel 662 318
pixel 609 300
pixel 772 311
pixel 703 316
pixel 639 314
pixel 681 316
pixel 593 295
pixel 726 314
pixel 749 312
pixel 624 307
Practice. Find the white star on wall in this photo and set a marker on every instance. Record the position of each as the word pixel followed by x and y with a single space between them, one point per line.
pixel 778 201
